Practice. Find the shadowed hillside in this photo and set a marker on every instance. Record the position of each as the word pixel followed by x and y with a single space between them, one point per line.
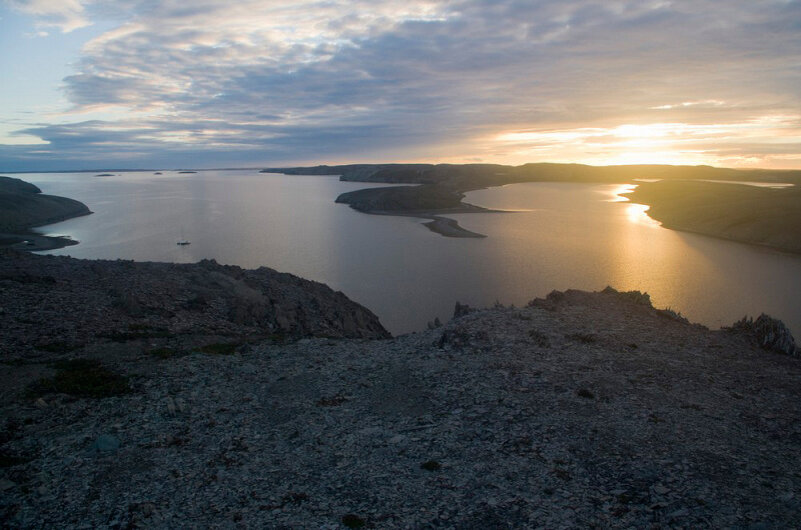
pixel 23 205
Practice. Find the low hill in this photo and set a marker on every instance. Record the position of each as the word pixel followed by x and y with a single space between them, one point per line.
pixel 23 205
pixel 581 410
pixel 473 176
pixel 762 216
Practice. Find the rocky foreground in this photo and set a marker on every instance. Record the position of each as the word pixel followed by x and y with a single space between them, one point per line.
pixel 579 410
pixel 53 304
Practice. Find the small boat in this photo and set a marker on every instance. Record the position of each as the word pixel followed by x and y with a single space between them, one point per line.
pixel 184 242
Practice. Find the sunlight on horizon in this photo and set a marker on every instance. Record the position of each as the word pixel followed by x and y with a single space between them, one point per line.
pixel 674 143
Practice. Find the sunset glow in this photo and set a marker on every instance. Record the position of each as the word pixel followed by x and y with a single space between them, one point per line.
pixel 132 84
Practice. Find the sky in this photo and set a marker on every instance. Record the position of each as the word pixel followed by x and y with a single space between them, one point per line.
pixel 89 84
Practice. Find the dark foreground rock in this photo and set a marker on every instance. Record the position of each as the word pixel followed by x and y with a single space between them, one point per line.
pixel 57 303
pixel 582 410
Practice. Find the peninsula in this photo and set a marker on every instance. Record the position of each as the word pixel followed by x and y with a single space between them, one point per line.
pixel 758 215
pixel 682 200
pixel 24 206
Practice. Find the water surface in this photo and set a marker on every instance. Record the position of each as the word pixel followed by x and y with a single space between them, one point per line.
pixel 560 236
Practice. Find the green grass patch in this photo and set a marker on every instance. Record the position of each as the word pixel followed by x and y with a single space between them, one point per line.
pixel 81 378
pixel 431 465
pixel 584 338
pixel 137 332
pixel 220 348
pixel 351 520
pixel 7 460
pixel 57 346
pixel 164 353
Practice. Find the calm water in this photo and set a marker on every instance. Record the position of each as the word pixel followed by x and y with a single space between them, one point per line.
pixel 561 236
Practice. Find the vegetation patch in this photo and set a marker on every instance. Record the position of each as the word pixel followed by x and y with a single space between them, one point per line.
pixel 672 315
pixel 57 346
pixel 584 338
pixel 164 353
pixel 539 338
pixel 81 378
pixel 137 332
pixel 431 465
pixel 220 348
pixel 353 521
pixel 9 460
pixel 334 401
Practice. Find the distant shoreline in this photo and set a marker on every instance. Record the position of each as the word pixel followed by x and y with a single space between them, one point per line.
pixel 695 201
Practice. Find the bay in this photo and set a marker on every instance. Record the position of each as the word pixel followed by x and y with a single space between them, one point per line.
pixel 553 236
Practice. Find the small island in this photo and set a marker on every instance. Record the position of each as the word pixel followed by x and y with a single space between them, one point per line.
pixel 426 202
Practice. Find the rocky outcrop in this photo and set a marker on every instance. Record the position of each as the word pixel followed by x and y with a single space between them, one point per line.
pixel 771 334
pixel 52 300
pixel 581 410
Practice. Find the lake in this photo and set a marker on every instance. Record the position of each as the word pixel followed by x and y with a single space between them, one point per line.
pixel 556 236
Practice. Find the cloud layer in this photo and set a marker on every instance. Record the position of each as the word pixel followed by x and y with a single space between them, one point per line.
pixel 220 83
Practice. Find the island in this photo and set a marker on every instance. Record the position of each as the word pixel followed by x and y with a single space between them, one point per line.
pixel 24 206
pixel 426 201
pixel 703 199
pixel 166 395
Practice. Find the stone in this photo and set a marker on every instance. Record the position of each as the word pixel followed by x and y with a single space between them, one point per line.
pixel 105 443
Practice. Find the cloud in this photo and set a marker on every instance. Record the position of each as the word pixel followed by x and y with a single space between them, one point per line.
pixel 443 79
pixel 67 15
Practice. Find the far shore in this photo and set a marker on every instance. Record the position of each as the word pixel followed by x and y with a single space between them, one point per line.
pixel 33 242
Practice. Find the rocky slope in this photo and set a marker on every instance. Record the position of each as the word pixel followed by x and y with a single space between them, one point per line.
pixel 579 410
pixel 56 303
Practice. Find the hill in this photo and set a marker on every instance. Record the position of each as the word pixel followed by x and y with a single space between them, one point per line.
pixel 579 410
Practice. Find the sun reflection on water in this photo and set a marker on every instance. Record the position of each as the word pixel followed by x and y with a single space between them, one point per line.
pixel 638 214
pixel 635 213
pixel 616 193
